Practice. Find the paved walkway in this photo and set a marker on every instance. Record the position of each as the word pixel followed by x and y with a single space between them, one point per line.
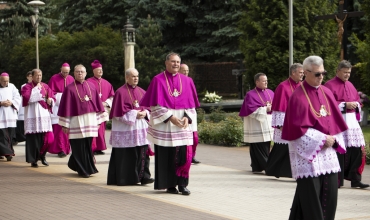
pixel 222 187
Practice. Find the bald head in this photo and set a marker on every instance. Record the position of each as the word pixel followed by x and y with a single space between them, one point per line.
pixel 184 69
pixel 64 70
pixel 4 81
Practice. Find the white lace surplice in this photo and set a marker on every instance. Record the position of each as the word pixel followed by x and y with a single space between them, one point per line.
pixel 128 131
pixel 36 118
pixel 82 126
pixel 278 121
pixel 168 134
pixel 353 137
pixel 308 158
pixel 257 126
pixel 9 115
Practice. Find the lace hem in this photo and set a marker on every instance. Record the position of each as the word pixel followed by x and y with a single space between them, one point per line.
pixel 133 138
pixel 277 137
pixel 277 119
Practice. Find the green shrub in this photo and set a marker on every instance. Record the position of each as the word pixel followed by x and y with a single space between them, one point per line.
pixel 367 148
pixel 227 132
pixel 200 115
pixel 231 131
pixel 217 114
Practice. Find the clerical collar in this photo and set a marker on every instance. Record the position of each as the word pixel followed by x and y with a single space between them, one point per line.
pixel 173 74
pixel 97 78
pixel 259 89
pixel 131 86
pixel 292 80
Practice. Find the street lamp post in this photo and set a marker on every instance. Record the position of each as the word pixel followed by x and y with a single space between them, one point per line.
pixel 35 24
pixel 128 33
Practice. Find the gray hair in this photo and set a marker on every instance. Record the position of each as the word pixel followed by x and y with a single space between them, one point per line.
pixel 294 67
pixel 312 61
pixel 35 71
pixel 172 54
pixel 344 64
pixel 80 66
pixel 257 76
pixel 131 70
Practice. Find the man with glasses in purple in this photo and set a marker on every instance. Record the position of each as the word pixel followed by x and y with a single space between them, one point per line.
pixel 314 127
pixel 348 101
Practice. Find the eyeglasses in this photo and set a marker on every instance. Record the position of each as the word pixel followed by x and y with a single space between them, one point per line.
pixel 317 74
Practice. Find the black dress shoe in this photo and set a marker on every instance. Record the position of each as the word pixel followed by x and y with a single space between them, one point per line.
pixel 61 154
pixel 85 175
pixel 358 184
pixel 195 161
pixel 34 165
pixel 184 190
pixel 147 181
pixel 43 161
pixel 8 158
pixel 99 152
pixel 172 190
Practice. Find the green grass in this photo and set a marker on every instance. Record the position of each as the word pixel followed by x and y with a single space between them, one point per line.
pixel 366 131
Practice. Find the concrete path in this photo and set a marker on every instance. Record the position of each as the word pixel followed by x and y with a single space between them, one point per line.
pixel 222 187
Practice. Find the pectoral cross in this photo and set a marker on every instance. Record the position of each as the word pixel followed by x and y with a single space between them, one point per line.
pixel 341 18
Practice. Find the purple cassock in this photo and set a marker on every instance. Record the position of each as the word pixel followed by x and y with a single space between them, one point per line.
pixel 254 99
pixel 46 92
pixel 343 91
pixel 123 102
pixel 299 117
pixel 57 83
pixel 105 90
pixel 283 93
pixel 158 91
pixel 71 104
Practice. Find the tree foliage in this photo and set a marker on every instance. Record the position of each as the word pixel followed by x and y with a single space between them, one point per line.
pixel 18 10
pixel 363 50
pixel 265 39
pixel 86 14
pixel 83 47
pixel 150 53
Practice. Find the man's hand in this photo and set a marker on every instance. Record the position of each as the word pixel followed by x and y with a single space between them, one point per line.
pixel 105 104
pixel 351 105
pixel 330 140
pixel 268 108
pixel 49 101
pixel 141 114
pixel 6 103
pixel 65 130
pixel 183 123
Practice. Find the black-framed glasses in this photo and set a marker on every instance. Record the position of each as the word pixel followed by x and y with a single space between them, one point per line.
pixel 317 74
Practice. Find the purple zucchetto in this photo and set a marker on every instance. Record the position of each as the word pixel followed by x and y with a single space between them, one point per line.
pixel 96 64
pixel 4 74
pixel 65 65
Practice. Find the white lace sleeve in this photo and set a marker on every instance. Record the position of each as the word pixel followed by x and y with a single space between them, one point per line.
pixel 277 119
pixel 159 114
pixel 309 144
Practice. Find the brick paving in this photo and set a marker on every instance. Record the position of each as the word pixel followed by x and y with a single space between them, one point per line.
pixel 222 186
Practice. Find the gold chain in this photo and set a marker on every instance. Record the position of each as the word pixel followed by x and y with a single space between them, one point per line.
pixel 169 88
pixel 133 101
pixel 261 97
pixel 317 114
pixel 83 100
pixel 99 81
